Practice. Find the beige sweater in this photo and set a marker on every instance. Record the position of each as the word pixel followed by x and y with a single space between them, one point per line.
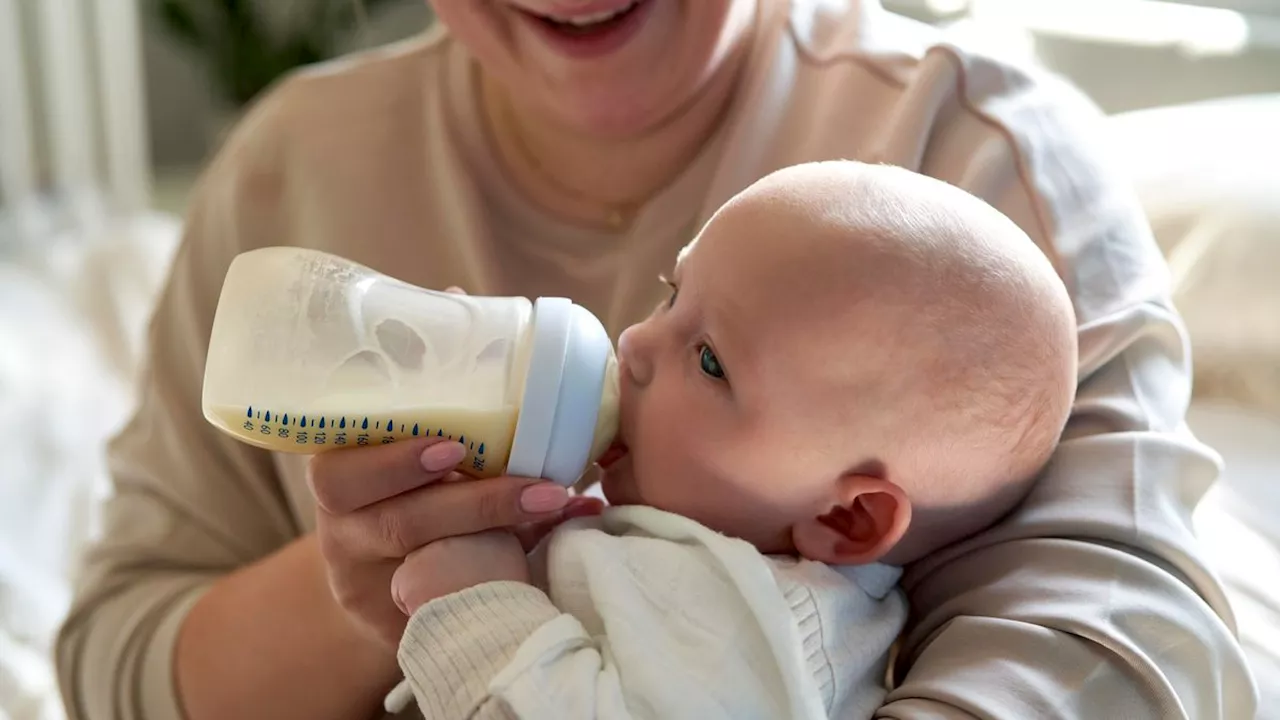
pixel 1091 601
pixel 647 615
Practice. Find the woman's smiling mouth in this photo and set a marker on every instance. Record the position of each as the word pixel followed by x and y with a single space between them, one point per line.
pixel 592 32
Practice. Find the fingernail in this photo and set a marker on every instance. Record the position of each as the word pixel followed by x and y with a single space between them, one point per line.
pixel 543 498
pixel 442 456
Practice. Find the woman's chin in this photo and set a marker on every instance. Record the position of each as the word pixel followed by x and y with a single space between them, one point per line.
pixel 604 115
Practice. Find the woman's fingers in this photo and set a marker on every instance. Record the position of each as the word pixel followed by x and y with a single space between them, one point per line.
pixel 346 480
pixel 359 587
pixel 376 505
pixel 397 526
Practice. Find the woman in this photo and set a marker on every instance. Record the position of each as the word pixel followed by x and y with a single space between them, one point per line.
pixel 570 147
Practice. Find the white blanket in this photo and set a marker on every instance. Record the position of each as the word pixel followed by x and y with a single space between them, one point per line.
pixel 1237 522
pixel 73 308
pixel 1206 174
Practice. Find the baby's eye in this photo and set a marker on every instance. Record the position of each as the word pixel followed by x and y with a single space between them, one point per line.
pixel 709 363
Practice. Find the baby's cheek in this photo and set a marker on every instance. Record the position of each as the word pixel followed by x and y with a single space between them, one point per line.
pixel 672 478
pixel 705 490
pixel 684 451
pixel 751 496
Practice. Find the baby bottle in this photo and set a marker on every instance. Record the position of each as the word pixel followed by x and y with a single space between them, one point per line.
pixel 311 352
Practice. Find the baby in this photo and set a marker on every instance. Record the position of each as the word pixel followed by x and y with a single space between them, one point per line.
pixel 856 366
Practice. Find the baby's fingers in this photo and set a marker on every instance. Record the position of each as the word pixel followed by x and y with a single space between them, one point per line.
pixel 530 534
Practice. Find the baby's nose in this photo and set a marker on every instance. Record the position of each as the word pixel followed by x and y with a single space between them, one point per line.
pixel 633 356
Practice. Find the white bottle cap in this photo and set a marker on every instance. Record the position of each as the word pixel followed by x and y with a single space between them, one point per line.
pixel 568 357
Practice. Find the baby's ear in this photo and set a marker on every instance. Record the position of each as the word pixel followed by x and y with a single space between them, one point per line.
pixel 871 517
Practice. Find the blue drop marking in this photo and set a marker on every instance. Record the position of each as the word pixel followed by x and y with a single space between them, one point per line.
pixel 285 420
pixel 268 418
pixel 342 423
pixel 250 413
pixel 304 421
pixel 440 432
pixel 321 423
pixel 481 450
pixel 390 427
pixel 415 430
pixel 365 424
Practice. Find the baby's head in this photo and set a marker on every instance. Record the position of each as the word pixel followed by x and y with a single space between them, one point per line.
pixel 857 363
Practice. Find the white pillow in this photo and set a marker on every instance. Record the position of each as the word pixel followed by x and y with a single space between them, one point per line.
pixel 1207 176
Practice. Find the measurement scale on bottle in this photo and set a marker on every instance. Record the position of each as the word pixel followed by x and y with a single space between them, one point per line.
pixel 311 433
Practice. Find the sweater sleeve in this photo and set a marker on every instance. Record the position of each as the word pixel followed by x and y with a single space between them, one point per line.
pixel 1093 598
pixel 189 504
pixel 502 650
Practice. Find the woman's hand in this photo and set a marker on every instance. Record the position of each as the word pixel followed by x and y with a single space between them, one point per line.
pixel 457 563
pixel 376 505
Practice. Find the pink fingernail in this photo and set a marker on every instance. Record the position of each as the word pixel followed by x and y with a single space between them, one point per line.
pixel 543 498
pixel 442 456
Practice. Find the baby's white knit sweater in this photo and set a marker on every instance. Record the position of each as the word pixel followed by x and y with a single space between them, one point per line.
pixel 651 615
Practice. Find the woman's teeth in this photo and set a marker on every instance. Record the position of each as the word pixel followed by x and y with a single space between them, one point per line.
pixel 590 19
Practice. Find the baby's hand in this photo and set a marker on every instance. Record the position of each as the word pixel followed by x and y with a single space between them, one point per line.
pixel 457 563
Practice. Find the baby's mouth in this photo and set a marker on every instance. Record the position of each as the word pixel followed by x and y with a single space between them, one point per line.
pixel 616 451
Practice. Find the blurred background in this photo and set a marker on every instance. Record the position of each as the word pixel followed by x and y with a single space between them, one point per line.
pixel 108 108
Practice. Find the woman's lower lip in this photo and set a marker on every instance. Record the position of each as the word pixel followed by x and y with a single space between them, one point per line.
pixel 595 43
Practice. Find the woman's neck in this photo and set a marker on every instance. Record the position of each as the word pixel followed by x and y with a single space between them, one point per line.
pixel 602 182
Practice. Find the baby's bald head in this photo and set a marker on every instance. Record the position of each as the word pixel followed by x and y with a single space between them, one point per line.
pixel 941 343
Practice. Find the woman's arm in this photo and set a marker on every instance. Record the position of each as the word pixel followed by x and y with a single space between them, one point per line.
pixel 268 641
pixel 195 603
pixel 1093 599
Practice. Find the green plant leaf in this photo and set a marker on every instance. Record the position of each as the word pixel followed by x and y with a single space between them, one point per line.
pixel 347 15
pixel 244 55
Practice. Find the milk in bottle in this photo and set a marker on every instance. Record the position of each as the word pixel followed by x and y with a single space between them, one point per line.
pixel 310 352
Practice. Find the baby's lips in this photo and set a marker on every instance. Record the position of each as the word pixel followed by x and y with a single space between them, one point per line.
pixel 616 451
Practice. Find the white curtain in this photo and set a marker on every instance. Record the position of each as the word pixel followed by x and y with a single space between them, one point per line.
pixel 72 116
pixel 81 257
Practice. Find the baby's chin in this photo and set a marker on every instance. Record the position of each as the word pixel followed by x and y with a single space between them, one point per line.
pixel 618 485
